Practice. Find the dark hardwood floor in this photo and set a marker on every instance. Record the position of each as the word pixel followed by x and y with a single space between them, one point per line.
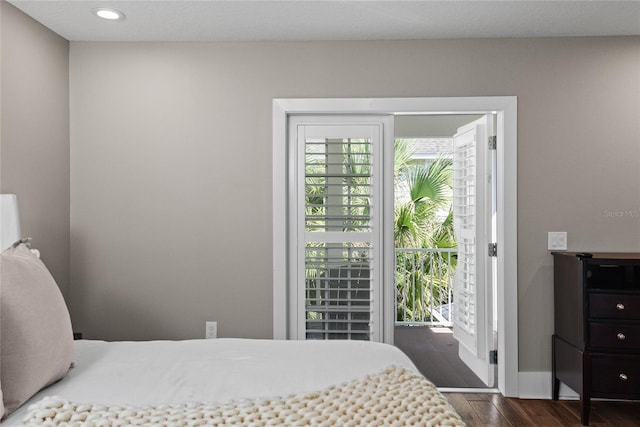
pixel 483 409
pixel 435 355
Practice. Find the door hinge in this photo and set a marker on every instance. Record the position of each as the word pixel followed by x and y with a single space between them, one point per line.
pixel 493 142
pixel 493 357
pixel 493 249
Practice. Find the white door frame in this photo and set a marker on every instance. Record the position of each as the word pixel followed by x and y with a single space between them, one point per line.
pixel 505 107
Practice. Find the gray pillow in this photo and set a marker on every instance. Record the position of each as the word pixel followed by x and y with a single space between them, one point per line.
pixel 36 339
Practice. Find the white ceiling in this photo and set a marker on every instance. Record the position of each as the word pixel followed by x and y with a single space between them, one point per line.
pixel 241 20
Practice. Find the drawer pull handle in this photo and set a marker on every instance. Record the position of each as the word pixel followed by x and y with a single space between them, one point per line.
pixel 621 336
pixel 623 377
pixel 620 306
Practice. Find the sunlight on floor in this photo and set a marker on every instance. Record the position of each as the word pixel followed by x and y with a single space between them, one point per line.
pixel 441 330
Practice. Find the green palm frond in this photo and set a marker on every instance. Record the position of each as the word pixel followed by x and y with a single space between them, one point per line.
pixel 419 207
pixel 443 236
pixel 433 183
pixel 409 228
pixel 423 219
pixel 403 153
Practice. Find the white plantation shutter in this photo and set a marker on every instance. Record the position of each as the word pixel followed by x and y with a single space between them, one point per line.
pixel 472 198
pixel 464 224
pixel 338 236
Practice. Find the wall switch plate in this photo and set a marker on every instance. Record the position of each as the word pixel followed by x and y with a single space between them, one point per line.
pixel 557 241
pixel 211 330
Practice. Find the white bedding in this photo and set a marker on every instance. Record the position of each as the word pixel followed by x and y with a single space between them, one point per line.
pixel 213 371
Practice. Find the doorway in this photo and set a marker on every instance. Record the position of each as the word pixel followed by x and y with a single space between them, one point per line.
pixel 505 109
pixel 427 151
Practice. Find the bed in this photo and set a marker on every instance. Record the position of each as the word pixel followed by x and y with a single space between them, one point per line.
pixel 241 382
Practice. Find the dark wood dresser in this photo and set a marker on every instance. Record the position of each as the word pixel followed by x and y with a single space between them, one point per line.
pixel 596 345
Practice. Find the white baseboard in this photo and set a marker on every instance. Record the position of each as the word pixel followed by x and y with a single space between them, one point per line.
pixel 537 385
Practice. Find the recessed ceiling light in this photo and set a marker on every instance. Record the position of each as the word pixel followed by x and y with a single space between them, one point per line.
pixel 109 14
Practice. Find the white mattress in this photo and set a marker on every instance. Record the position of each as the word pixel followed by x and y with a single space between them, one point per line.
pixel 215 370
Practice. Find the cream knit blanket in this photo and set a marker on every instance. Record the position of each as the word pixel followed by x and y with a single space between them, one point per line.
pixel 394 397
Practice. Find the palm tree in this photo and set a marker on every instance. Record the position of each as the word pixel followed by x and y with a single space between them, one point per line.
pixel 422 195
pixel 423 219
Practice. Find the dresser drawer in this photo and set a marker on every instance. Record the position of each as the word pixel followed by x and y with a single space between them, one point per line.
pixel 615 336
pixel 615 375
pixel 614 305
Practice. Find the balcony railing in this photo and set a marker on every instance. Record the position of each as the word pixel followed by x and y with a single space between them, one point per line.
pixel 424 286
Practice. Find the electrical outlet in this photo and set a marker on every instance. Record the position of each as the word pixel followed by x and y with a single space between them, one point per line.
pixel 211 330
pixel 557 241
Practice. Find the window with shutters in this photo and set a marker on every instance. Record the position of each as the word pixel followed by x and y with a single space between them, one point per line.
pixel 338 198
pixel 473 196
pixel 338 231
pixel 464 208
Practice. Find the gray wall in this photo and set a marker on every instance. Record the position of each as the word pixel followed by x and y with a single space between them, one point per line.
pixel 171 166
pixel 34 134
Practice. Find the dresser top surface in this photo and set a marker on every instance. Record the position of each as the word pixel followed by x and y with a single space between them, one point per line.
pixel 602 255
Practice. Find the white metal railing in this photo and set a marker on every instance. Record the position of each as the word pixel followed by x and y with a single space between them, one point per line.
pixel 424 286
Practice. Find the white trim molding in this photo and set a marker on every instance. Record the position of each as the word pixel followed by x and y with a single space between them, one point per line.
pixel 505 108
